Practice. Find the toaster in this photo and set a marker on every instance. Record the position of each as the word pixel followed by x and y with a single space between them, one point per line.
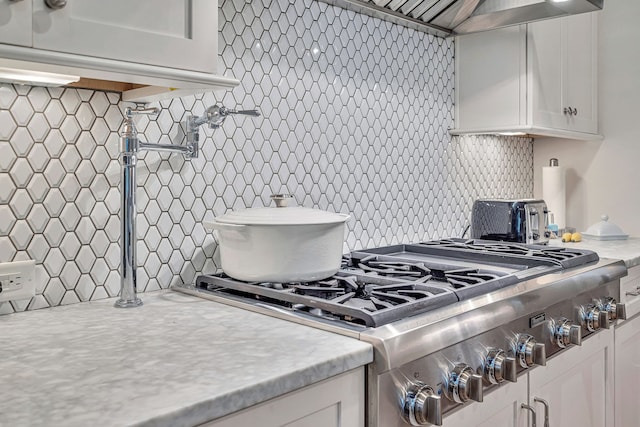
pixel 521 221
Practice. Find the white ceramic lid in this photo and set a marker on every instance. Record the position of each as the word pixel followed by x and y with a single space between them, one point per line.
pixel 605 230
pixel 282 216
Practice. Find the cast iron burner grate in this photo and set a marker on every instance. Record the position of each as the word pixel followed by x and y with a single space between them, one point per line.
pixel 381 285
pixel 561 256
pixel 464 282
pixel 346 296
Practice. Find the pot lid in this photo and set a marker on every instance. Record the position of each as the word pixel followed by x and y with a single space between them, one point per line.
pixel 605 230
pixel 282 216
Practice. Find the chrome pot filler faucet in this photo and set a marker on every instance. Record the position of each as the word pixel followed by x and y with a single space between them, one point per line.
pixel 130 146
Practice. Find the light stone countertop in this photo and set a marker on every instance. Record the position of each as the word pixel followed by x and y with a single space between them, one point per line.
pixel 626 250
pixel 176 361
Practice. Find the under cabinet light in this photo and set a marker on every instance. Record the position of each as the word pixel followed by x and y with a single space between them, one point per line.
pixel 36 78
pixel 512 133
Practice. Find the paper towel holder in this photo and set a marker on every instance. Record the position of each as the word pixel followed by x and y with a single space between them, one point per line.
pixel 553 162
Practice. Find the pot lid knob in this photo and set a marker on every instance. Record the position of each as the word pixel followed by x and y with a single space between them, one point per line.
pixel 281 200
pixel 604 217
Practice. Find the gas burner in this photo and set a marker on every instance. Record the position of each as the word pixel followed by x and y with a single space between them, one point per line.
pixel 465 277
pixel 384 297
pixel 394 268
pixel 331 288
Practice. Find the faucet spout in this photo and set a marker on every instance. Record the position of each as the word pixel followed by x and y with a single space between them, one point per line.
pixel 130 146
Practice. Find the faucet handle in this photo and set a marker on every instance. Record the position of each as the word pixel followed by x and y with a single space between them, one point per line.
pixel 130 112
pixel 254 113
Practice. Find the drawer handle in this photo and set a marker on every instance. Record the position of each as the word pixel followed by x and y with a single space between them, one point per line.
pixel 533 413
pixel 546 409
pixel 634 293
pixel 55 4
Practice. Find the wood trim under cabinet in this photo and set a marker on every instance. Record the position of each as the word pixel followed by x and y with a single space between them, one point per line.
pixel 105 85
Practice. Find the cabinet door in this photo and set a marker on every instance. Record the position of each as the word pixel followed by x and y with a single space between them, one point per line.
pixel 563 67
pixel 335 402
pixel 627 376
pixel 501 407
pixel 582 71
pixel 171 33
pixel 577 384
pixel 491 79
pixel 15 22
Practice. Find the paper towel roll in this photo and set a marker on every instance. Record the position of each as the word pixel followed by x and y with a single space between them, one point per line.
pixel 554 193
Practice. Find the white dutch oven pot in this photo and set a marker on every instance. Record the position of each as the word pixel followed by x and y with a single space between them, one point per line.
pixel 281 244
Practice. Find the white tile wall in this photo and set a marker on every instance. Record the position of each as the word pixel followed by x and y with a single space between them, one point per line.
pixel 355 113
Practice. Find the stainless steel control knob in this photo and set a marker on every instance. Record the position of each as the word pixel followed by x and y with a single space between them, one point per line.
pixel 499 367
pixel 615 309
pixel 422 406
pixel 463 384
pixel 528 352
pixel 565 333
pixel 593 318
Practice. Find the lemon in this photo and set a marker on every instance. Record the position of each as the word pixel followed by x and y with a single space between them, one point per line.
pixel 566 237
pixel 576 237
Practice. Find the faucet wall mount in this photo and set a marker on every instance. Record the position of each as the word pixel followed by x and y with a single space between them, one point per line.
pixel 130 146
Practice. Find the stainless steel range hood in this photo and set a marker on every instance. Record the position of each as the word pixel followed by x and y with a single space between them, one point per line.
pixel 454 17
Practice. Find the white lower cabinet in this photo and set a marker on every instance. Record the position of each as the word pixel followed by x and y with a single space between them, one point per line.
pixel 335 402
pixel 627 377
pixel 501 407
pixel 577 385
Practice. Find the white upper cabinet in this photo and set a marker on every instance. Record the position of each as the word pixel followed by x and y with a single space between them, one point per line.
pixel 15 22
pixel 539 78
pixel 169 33
pixel 170 45
pixel 564 73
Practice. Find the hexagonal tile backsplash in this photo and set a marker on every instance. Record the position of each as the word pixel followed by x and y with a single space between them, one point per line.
pixel 355 113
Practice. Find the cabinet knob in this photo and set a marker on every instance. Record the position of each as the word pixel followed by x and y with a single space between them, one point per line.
pixel 55 4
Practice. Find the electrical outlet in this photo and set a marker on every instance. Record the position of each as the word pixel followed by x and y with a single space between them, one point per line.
pixel 17 280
